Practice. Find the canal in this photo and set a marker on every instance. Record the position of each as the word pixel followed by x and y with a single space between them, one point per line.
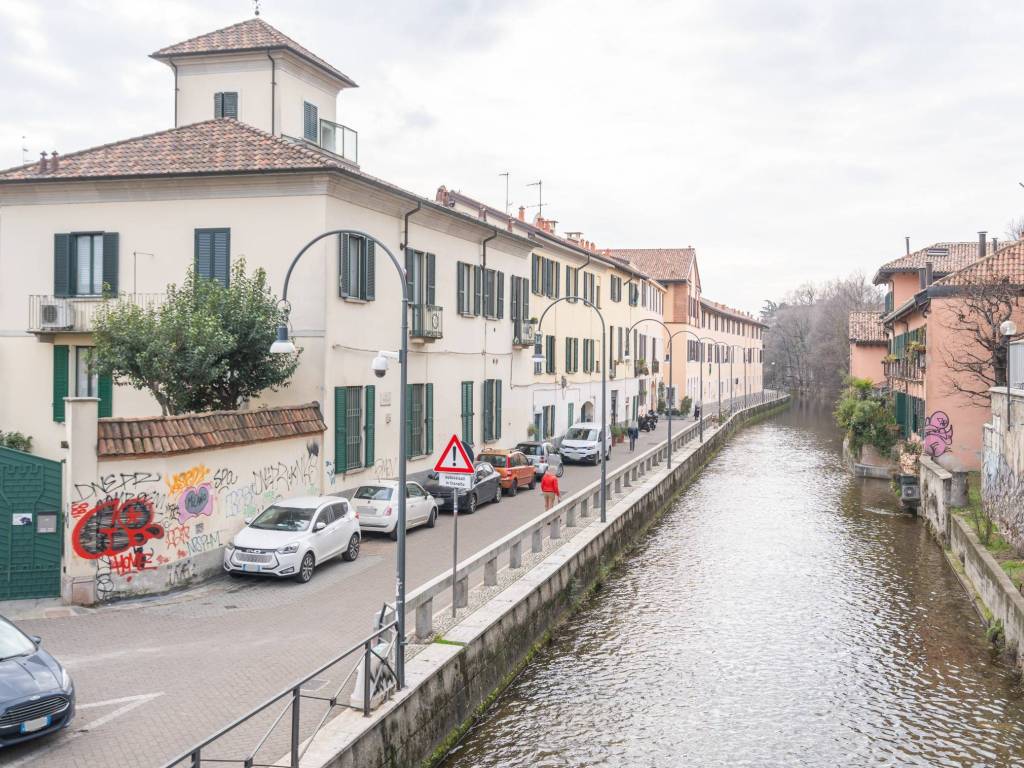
pixel 781 613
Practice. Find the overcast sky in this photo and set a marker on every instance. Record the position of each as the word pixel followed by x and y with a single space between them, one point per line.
pixel 787 140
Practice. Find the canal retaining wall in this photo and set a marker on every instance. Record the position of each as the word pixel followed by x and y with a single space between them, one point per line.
pixel 455 677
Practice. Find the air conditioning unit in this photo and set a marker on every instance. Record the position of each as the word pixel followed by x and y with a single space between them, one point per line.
pixel 56 315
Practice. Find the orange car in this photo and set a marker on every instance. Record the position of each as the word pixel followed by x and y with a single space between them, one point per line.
pixel 513 466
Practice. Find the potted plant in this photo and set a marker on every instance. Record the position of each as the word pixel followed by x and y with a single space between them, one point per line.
pixel 532 431
pixel 618 434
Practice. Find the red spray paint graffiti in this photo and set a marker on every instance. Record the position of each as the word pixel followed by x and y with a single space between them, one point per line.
pixel 113 526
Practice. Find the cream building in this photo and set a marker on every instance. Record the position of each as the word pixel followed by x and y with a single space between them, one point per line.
pixel 566 387
pixel 135 214
pixel 727 341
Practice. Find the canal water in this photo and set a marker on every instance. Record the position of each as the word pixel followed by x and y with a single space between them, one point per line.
pixel 782 613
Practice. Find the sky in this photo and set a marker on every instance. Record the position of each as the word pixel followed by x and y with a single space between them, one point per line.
pixel 787 141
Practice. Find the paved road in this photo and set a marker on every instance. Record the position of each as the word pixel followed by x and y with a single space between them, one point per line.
pixel 155 675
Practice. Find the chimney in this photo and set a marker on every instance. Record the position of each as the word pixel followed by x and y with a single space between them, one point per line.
pixel 922 278
pixel 522 213
pixel 42 162
pixel 907 238
pixel 929 273
pixel 982 242
pixel 54 160
pixel 995 244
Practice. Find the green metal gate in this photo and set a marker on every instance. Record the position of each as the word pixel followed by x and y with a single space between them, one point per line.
pixel 31 530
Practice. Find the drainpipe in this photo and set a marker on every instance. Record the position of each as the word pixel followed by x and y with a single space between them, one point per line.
pixel 175 68
pixel 405 219
pixel 273 90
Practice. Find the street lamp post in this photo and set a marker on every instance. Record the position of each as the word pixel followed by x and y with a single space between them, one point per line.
pixel 380 364
pixel 700 341
pixel 1009 329
pixel 604 433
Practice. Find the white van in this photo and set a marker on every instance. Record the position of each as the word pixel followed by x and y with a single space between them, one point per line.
pixel 582 443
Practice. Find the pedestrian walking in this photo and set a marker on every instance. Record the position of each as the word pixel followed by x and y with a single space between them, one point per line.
pixel 634 432
pixel 549 485
pixel 696 412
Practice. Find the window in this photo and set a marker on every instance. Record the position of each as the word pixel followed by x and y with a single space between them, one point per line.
pixel 520 310
pixel 419 270
pixel 357 268
pixel 225 104
pixel 538 353
pixel 492 409
pixel 88 265
pixel 85 264
pixel 616 288
pixel 419 425
pixel 354 420
pixel 536 274
pixel 572 355
pixel 86 380
pixel 494 294
pixel 548 421
pixel 634 294
pixel 310 122
pixel 467 412
pixel 213 254
pixel 572 281
pixel 465 289
pixel 571 415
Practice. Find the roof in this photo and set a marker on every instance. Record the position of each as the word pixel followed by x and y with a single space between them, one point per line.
pixel 222 145
pixel 867 328
pixel 148 436
pixel 305 502
pixel 659 263
pixel 1006 264
pixel 251 35
pixel 944 257
pixel 739 314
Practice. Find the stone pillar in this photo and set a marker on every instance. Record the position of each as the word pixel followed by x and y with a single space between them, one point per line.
pixel 462 592
pixel 958 489
pixel 425 619
pixel 515 554
pixel 537 540
pixel 584 511
pixel 556 527
pixel 491 572
pixel 78 581
pixel 570 517
pixel 618 485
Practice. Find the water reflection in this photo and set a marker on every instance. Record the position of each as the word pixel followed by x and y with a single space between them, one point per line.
pixel 783 613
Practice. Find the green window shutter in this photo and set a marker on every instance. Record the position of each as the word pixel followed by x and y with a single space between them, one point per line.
pixel 568 355
pixel 535 273
pixel 105 390
pixel 310 123
pixel 488 412
pixel 343 268
pixel 497 407
pixel 340 436
pixel 62 266
pixel 467 411
pixel 218 104
pixel 571 419
pixel 410 255
pixel 500 279
pixel 370 419
pixel 60 380
pixel 230 105
pixel 478 290
pixel 222 256
pixel 111 244
pixel 408 421
pixel 430 259
pixel 488 293
pixel 370 269
pixel 460 291
pixel 429 420
pixel 203 254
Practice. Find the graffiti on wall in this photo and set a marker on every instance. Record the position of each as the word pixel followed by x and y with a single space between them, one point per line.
pixel 938 434
pixel 1002 490
pixel 113 526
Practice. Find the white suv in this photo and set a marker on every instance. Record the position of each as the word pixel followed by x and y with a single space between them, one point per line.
pixel 293 536
pixel 582 443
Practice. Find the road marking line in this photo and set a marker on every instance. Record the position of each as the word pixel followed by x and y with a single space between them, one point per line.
pixel 122 700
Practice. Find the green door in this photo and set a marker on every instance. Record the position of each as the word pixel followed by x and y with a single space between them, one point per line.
pixel 31 531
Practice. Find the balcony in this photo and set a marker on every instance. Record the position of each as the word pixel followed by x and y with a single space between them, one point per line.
pixel 910 369
pixel 655 366
pixel 340 139
pixel 640 367
pixel 76 314
pixel 523 334
pixel 425 324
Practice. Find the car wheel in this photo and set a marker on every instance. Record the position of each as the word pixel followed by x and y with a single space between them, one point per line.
pixel 470 504
pixel 560 471
pixel 514 488
pixel 393 535
pixel 235 574
pixel 306 568
pixel 433 518
pixel 352 551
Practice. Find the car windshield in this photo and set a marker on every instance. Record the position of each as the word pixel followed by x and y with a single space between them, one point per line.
pixel 530 450
pixel 576 433
pixel 494 459
pixel 13 642
pixel 277 518
pixel 374 492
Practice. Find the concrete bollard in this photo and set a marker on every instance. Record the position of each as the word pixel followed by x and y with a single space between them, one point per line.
pixel 626 478
pixel 618 485
pixel 556 527
pixel 537 543
pixel 515 554
pixel 425 619
pixel 570 517
pixel 491 572
pixel 462 592
pixel 596 501
pixel 584 511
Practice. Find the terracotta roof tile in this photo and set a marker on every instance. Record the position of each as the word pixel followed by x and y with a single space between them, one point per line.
pixel 250 35
pixel 659 263
pixel 724 309
pixel 867 328
pixel 1006 264
pixel 178 434
pixel 945 258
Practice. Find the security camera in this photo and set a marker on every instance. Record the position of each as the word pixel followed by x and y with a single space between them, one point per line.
pixel 380 366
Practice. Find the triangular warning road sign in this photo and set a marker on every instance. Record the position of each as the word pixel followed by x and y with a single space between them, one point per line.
pixel 453 458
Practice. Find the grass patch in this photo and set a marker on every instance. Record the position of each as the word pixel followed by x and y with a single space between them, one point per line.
pixel 443 641
pixel 988 532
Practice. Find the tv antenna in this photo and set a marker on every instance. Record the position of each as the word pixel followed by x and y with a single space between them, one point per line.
pixel 539 184
pixel 24 151
pixel 256 6
pixel 508 203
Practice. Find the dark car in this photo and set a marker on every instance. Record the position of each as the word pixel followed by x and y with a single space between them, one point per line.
pixel 486 487
pixel 37 696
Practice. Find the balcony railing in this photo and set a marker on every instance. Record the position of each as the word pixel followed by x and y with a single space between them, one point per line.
pixel 340 139
pixel 908 368
pixel 426 322
pixel 77 314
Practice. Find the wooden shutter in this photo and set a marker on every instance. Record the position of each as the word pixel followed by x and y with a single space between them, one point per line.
pixel 105 390
pixel 222 256
pixel 408 421
pixel 467 411
pixel 478 290
pixel 535 274
pixel 497 406
pixel 204 254
pixel 488 411
pixel 430 260
pixel 62 268
pixel 557 274
pixel 568 355
pixel 369 421
pixel 488 293
pixel 370 269
pixel 499 278
pixel 460 291
pixel 60 380
pixel 343 259
pixel 230 105
pixel 410 255
pixel 340 427
pixel 309 122
pixel 428 422
pixel 218 105
pixel 111 244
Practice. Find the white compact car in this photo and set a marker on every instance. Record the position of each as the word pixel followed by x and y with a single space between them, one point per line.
pixel 377 507
pixel 293 536
pixel 583 443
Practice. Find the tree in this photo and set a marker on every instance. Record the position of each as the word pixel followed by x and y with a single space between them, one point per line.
pixel 206 348
pixel 867 416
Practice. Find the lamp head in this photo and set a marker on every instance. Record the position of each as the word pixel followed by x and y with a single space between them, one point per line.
pixel 1008 328
pixel 282 345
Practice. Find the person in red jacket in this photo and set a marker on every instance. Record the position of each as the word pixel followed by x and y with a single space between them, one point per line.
pixel 549 485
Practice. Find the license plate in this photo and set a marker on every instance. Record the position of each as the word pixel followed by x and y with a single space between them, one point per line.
pixel 35 725
pixel 246 567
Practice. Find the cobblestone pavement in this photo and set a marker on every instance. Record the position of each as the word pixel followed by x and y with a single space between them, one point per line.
pixel 155 675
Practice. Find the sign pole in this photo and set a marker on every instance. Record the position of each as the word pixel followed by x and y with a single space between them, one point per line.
pixel 455 543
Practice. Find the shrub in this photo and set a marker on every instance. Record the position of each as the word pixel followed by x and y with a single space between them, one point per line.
pixel 16 441
pixel 866 415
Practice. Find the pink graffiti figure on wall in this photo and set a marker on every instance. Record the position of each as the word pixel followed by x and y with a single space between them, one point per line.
pixel 938 434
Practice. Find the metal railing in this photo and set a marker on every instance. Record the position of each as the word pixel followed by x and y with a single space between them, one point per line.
pixel 426 322
pixel 910 368
pixel 340 139
pixel 375 687
pixel 77 314
pixel 1016 365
